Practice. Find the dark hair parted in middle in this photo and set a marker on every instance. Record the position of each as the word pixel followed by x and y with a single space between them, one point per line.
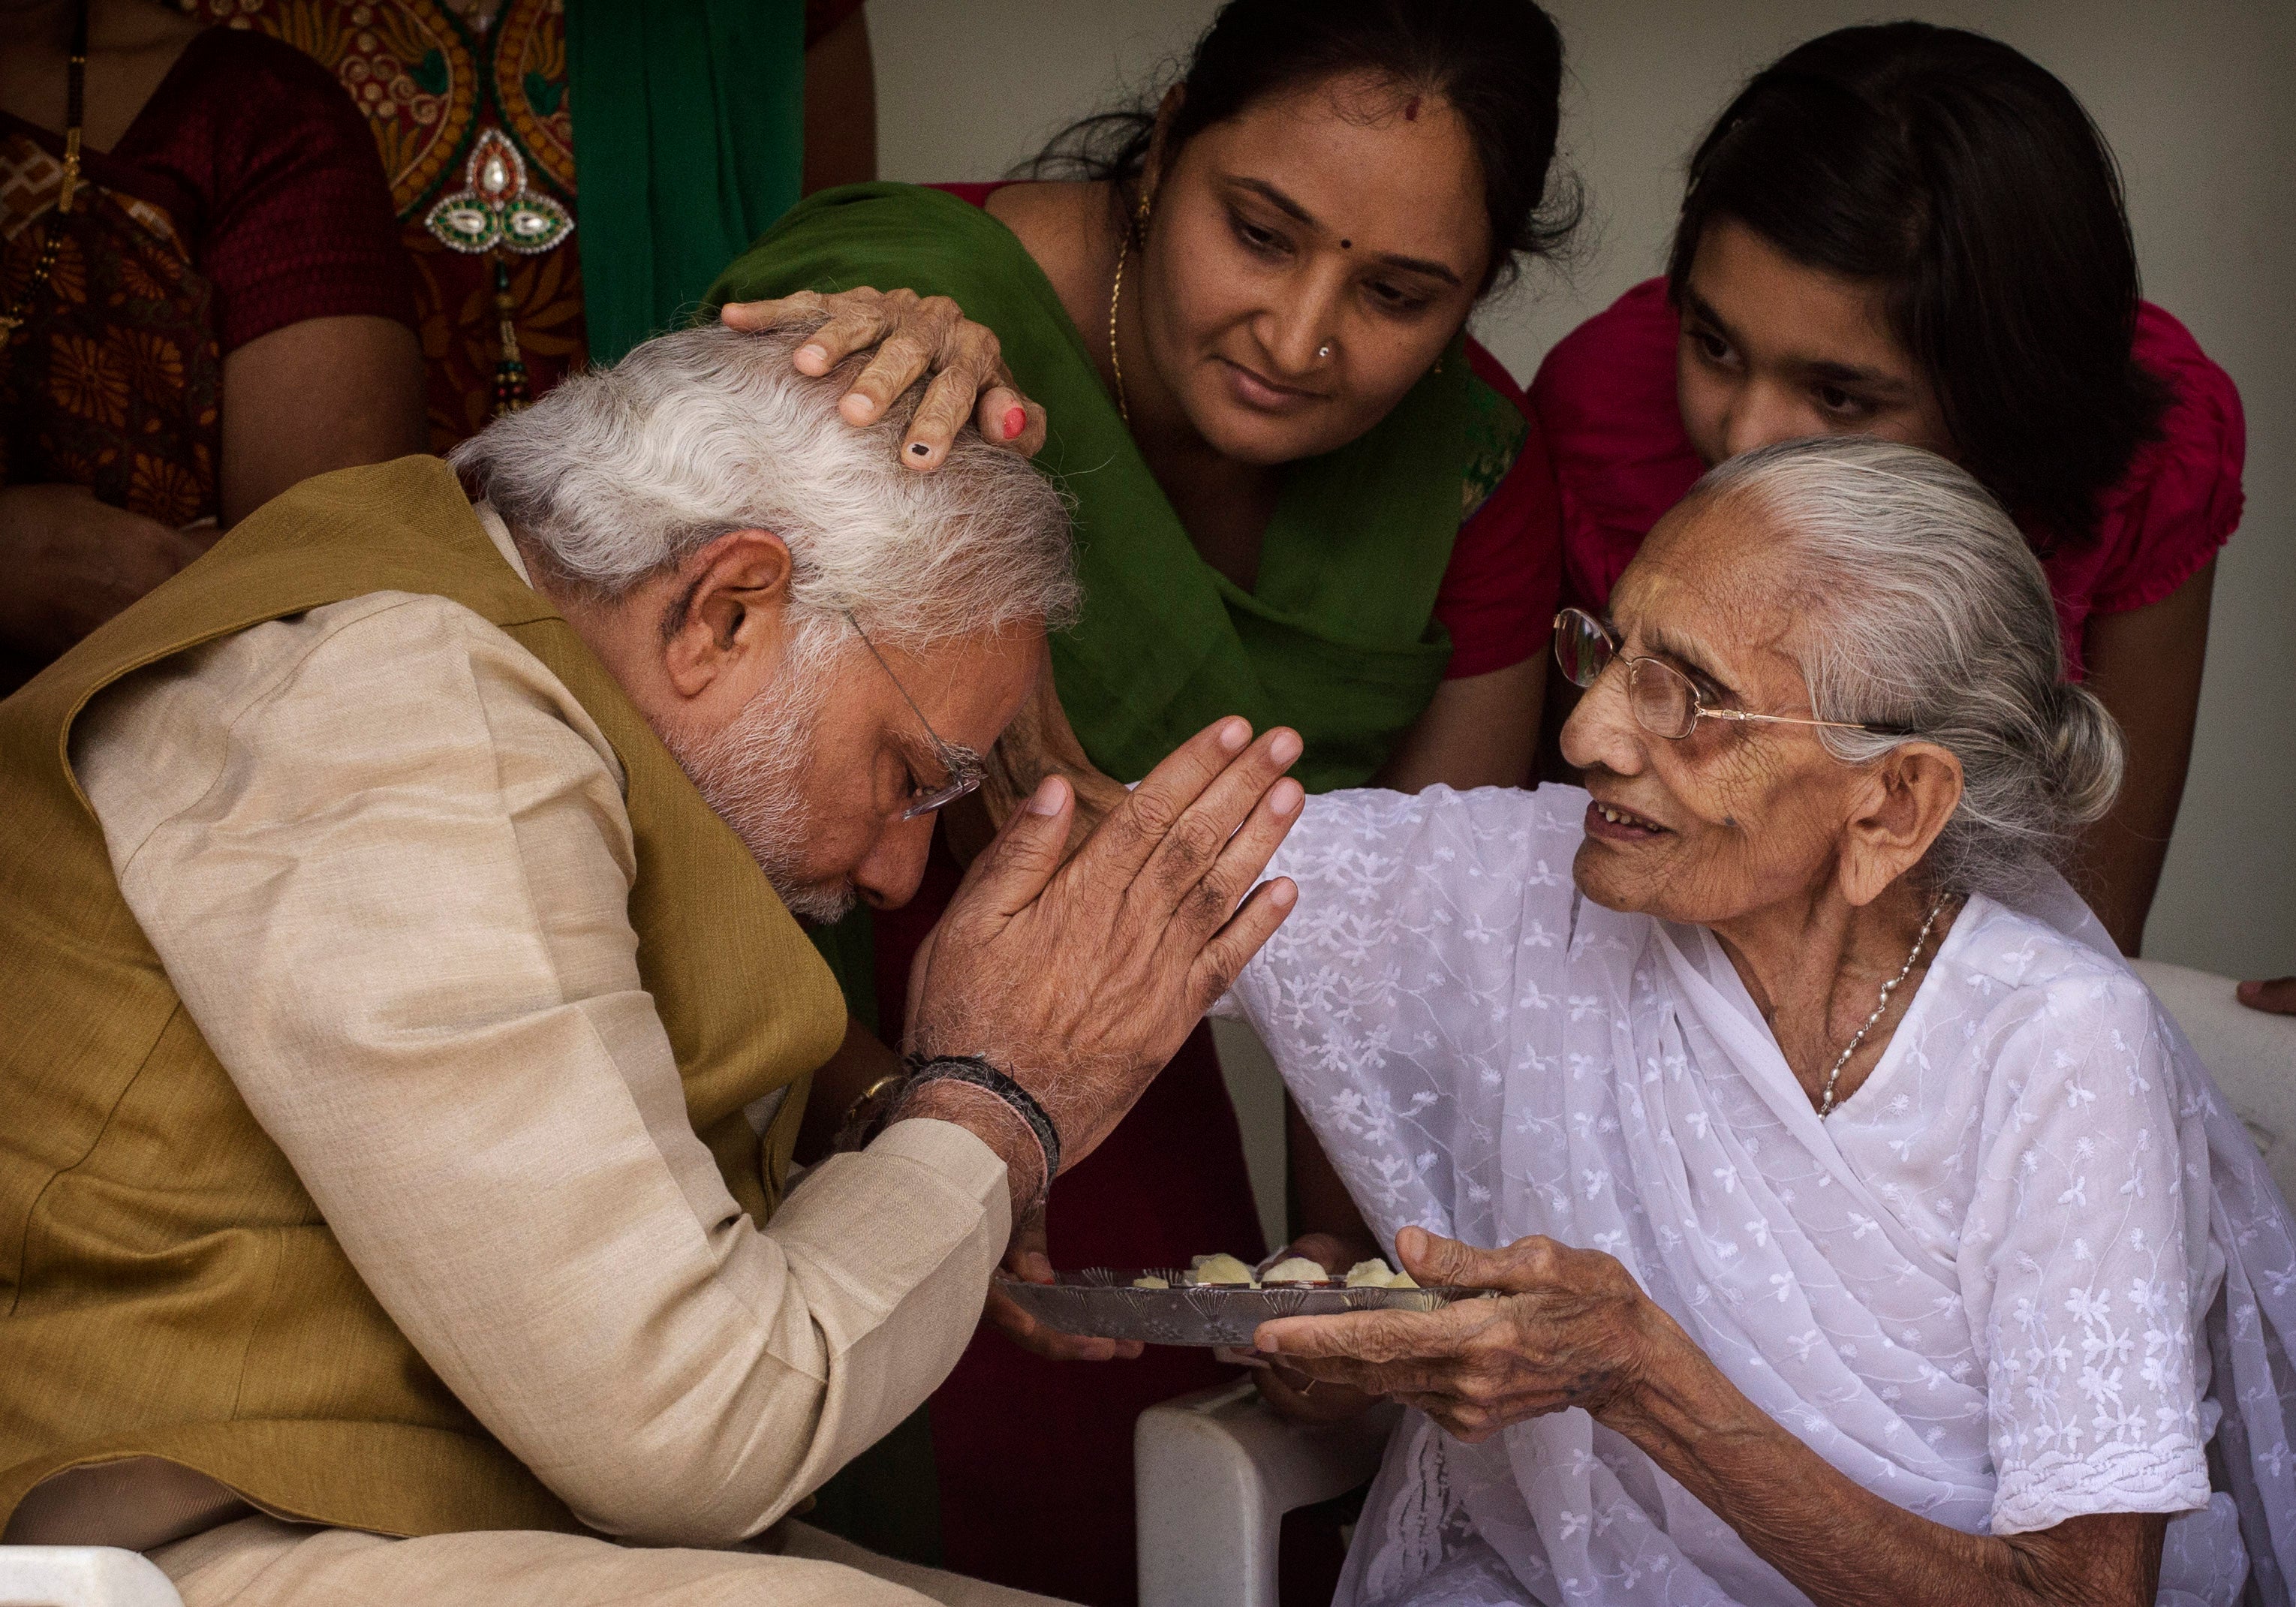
pixel 1972 185
pixel 1497 62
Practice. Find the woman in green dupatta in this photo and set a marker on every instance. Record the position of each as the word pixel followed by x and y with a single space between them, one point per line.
pixel 1300 496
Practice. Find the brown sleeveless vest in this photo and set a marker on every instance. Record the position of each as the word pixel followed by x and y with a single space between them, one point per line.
pixel 167 1287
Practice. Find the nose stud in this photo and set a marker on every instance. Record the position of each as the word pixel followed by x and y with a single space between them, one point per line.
pixel 1323 351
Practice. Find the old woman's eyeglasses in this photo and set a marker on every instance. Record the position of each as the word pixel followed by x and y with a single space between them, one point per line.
pixel 964 766
pixel 1664 702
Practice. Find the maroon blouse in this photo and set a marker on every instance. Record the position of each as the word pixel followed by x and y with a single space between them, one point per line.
pixel 291 216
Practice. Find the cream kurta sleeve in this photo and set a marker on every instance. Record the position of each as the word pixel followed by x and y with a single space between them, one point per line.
pixel 384 854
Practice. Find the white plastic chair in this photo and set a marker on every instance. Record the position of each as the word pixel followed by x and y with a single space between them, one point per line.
pixel 2251 1056
pixel 1217 1471
pixel 1214 1472
pixel 81 1576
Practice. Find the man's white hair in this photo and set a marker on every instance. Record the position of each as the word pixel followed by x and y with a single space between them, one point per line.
pixel 1926 615
pixel 622 473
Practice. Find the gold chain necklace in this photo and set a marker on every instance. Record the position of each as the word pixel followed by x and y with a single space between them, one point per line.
pixel 1115 364
pixel 75 116
pixel 1826 1101
pixel 1116 298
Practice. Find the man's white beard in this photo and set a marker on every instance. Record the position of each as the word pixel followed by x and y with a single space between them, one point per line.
pixel 748 771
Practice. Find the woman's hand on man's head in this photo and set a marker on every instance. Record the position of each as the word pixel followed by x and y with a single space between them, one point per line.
pixel 911 336
pixel 1574 1330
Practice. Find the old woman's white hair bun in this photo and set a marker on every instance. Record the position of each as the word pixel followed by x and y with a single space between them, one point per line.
pixel 1928 616
pixel 2088 756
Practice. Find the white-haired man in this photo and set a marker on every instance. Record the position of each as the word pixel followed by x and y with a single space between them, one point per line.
pixel 403 1047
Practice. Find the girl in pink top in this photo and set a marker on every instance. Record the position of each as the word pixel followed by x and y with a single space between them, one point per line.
pixel 1914 232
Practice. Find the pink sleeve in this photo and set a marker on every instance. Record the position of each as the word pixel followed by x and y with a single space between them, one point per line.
pixel 972 194
pixel 1604 398
pixel 1497 596
pixel 2182 497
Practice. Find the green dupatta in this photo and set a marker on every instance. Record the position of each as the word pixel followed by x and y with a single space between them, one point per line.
pixel 1337 639
pixel 691 141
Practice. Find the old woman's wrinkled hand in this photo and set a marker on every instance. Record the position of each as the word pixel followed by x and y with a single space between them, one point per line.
pixel 911 336
pixel 1573 1329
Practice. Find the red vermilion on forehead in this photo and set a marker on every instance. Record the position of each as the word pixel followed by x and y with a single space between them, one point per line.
pixel 1411 109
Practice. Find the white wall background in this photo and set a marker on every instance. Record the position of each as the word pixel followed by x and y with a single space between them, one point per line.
pixel 2199 100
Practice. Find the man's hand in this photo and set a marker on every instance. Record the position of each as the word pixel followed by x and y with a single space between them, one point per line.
pixel 1082 978
pixel 1039 742
pixel 1027 1261
pixel 72 562
pixel 913 335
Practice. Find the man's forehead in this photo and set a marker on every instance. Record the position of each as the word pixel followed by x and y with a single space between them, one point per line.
pixel 973 685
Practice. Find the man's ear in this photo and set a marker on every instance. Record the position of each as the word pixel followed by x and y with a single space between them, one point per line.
pixel 732 601
pixel 1909 794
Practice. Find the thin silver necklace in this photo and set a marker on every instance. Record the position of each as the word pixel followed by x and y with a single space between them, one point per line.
pixel 1825 1099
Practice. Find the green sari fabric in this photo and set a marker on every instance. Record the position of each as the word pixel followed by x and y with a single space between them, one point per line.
pixel 691 141
pixel 1337 638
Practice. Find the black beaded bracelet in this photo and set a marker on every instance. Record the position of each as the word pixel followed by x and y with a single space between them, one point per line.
pixel 974 1069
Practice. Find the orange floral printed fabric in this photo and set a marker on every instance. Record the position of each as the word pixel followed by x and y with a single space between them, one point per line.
pixel 244 197
pixel 112 380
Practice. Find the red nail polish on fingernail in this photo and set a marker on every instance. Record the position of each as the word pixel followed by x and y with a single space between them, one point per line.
pixel 1016 420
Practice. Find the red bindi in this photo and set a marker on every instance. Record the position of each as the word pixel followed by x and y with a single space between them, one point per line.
pixel 1411 109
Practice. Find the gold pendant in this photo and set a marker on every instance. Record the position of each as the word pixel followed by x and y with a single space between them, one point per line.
pixel 497 209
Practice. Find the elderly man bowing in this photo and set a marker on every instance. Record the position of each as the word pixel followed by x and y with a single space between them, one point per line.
pixel 402 1048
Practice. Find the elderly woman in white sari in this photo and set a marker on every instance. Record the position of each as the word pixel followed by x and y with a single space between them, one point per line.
pixel 1865 1230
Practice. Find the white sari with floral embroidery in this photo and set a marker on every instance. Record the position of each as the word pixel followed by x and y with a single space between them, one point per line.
pixel 2026 1272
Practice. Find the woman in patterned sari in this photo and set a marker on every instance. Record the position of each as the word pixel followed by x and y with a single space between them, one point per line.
pixel 218 310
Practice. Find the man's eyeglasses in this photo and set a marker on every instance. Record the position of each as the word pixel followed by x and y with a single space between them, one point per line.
pixel 1664 702
pixel 964 766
